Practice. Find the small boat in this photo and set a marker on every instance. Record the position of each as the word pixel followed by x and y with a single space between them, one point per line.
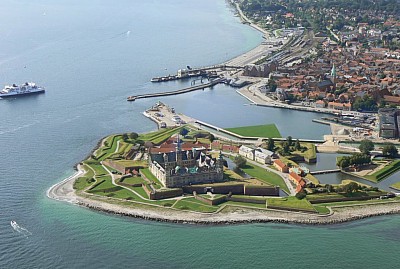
pixel 14 224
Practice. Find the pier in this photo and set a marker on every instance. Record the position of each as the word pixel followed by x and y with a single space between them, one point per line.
pixel 185 90
pixel 331 171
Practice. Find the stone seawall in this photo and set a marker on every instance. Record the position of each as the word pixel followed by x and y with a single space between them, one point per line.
pixel 228 221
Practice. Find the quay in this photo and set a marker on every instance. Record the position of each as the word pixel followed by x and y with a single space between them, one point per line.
pixel 325 172
pixel 185 90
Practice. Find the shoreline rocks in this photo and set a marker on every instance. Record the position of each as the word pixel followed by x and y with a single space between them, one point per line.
pixel 63 191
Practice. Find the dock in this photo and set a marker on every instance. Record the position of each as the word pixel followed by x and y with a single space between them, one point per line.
pixel 185 90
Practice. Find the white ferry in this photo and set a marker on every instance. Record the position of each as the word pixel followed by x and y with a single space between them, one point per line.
pixel 24 89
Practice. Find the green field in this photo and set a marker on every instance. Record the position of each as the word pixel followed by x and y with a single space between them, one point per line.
pixel 267 177
pixel 385 172
pixel 268 130
pixel 290 203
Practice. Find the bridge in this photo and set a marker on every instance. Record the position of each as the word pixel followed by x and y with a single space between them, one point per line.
pixel 331 171
pixel 185 90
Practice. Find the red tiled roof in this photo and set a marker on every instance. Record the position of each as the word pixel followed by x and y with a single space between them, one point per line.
pixel 280 163
pixel 295 177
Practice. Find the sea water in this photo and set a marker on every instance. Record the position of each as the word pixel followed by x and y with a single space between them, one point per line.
pixel 90 55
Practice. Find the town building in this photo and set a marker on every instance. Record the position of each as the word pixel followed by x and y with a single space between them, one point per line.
pixel 389 122
pixel 281 166
pixel 297 180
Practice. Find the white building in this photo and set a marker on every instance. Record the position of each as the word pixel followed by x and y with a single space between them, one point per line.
pixel 247 152
pixel 263 156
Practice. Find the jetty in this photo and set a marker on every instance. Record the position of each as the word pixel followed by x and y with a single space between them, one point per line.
pixel 181 91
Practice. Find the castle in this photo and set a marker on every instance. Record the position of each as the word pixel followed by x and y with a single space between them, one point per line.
pixel 177 167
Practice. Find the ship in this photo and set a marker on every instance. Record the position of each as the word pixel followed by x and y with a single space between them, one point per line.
pixel 24 89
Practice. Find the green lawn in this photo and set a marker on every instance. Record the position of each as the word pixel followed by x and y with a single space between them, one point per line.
pixel 290 202
pixel 232 203
pixel 322 209
pixel 159 136
pixel 146 172
pixel 318 196
pixel 268 130
pixel 85 181
pixel 141 191
pixel 359 202
pixel 270 178
pixel 195 205
pixel 385 172
pixel 129 163
pixel 396 186
pixel 133 180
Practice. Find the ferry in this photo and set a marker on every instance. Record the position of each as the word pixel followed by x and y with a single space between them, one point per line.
pixel 24 89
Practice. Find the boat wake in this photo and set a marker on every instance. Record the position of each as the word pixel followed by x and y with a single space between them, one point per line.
pixel 127 34
pixel 19 128
pixel 20 229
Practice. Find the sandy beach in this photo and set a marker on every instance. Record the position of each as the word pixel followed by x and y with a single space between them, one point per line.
pixel 64 191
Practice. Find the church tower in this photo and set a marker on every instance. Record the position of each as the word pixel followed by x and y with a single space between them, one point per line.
pixel 333 76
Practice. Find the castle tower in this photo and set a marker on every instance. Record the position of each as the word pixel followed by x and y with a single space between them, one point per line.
pixel 178 151
pixel 220 163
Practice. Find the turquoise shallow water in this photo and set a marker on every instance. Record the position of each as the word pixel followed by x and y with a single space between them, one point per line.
pixel 82 52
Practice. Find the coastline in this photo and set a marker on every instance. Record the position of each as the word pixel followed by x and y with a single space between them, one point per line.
pixel 63 191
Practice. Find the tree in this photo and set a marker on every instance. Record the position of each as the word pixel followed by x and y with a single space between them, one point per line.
pixel 271 144
pixel 390 150
pixel 297 145
pixel 212 138
pixel 366 146
pixel 343 162
pixel 272 85
pixel 301 195
pixel 184 132
pixel 239 161
pixel 285 148
pixel 133 135
pixel 289 139
pixel 351 187
pixel 329 188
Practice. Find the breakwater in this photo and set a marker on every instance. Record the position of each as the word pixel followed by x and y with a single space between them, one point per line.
pixel 181 91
